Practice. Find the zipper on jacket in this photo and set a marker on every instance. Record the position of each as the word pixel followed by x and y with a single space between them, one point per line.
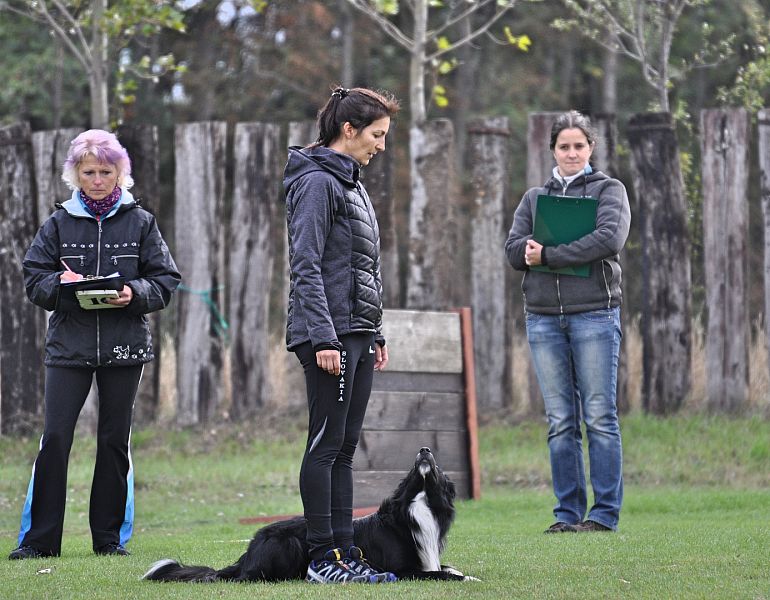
pixel 558 295
pixel 80 257
pixel 98 266
pixel 607 285
pixel 114 258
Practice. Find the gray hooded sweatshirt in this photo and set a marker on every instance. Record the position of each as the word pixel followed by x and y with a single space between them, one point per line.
pixel 334 250
pixel 553 294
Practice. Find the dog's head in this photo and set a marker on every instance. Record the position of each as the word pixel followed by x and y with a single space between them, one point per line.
pixel 433 477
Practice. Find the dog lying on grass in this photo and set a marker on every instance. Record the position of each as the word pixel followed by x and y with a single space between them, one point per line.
pixel 406 536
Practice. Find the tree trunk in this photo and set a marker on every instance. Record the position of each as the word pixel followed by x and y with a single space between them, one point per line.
pixel 256 192
pixel 141 142
pixel 662 214
pixel 378 179
pixel 725 175
pixel 764 174
pixel 610 82
pixel 21 368
pixel 489 147
pixel 201 331
pixel 347 75
pixel 437 275
pixel 98 74
pixel 417 65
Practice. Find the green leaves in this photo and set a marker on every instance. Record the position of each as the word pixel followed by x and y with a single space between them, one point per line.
pixel 522 42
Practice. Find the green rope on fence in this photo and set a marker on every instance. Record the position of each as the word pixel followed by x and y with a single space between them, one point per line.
pixel 220 324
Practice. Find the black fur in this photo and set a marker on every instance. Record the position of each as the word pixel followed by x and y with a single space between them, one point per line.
pixel 279 551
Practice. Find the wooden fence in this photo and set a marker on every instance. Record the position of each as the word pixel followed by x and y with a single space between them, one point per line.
pixel 222 344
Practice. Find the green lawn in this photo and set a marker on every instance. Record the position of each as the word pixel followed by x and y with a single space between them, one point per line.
pixel 695 524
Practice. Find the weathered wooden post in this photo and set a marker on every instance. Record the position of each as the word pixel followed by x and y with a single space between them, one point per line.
pixel 540 164
pixel 437 271
pixel 605 159
pixel 255 212
pixel 725 176
pixel 377 176
pixel 141 142
pixel 287 379
pixel 49 149
pixel 489 155
pixel 764 174
pixel 662 214
pixel 21 356
pixel 199 227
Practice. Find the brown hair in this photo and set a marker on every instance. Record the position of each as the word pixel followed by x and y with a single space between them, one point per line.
pixel 357 106
pixel 573 120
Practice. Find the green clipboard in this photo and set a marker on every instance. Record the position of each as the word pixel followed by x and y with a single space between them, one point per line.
pixel 561 220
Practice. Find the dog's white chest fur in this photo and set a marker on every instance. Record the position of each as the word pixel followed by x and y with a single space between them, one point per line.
pixel 426 535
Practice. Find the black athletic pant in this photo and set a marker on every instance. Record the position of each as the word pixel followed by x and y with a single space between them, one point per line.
pixel 66 389
pixel 336 405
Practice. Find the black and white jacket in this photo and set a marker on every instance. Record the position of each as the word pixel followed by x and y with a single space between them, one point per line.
pixel 126 240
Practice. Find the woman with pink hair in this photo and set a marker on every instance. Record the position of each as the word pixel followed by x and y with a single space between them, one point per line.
pixel 100 231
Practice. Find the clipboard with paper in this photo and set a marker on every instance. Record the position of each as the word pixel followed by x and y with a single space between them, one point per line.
pixel 561 220
pixel 92 292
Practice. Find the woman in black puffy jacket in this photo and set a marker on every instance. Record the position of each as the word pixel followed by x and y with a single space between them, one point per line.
pixel 99 231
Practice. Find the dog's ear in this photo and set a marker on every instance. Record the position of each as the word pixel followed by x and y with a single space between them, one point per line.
pixel 449 486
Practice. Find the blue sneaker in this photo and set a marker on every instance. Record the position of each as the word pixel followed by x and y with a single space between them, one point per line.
pixel 360 566
pixel 333 569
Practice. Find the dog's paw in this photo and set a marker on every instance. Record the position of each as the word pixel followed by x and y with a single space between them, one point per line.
pixel 457 574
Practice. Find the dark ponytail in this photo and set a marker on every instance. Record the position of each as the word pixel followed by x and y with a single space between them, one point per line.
pixel 357 106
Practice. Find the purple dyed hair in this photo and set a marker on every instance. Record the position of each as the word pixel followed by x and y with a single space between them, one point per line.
pixel 105 148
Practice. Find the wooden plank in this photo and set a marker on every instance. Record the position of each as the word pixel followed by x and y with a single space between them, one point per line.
pixel 49 149
pixel 21 369
pixel 396 450
pixel 250 262
pixel 423 341
pixel 725 174
pixel 763 133
pixel 417 382
pixel 489 158
pixel 415 410
pixel 199 254
pixel 470 403
pixel 661 216
pixel 370 488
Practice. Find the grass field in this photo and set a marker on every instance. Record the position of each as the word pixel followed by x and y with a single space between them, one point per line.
pixel 695 523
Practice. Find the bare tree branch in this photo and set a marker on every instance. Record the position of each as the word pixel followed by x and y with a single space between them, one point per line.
pixel 474 34
pixel 393 32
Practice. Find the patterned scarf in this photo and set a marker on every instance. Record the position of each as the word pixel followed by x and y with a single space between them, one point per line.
pixel 100 207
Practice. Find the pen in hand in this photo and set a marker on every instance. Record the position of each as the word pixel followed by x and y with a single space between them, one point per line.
pixel 69 274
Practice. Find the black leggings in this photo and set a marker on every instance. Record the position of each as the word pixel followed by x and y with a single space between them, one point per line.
pixel 111 507
pixel 336 406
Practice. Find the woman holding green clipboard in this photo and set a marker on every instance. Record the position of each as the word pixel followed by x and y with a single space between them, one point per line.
pixel 566 236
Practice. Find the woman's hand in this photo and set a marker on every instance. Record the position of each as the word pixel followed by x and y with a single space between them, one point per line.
pixel 532 254
pixel 123 298
pixel 70 276
pixel 329 361
pixel 380 357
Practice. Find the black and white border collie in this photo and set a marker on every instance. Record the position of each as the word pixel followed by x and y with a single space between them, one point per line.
pixel 406 536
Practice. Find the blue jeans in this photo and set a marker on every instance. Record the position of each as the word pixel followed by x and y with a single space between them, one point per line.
pixel 576 361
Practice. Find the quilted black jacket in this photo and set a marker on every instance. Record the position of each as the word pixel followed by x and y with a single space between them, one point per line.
pixel 334 250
